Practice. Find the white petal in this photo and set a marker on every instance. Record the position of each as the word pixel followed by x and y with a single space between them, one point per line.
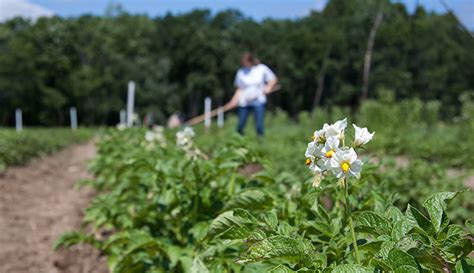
pixel 341 124
pixel 352 155
pixel 356 166
pixel 335 161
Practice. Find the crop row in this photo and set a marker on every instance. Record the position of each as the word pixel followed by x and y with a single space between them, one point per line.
pixel 250 206
pixel 17 148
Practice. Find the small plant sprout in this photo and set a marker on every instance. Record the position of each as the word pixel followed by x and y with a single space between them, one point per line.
pixel 325 155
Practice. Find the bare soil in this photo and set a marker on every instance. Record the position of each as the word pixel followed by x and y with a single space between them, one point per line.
pixel 38 202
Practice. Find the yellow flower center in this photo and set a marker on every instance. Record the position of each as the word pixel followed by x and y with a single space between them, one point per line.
pixel 345 166
pixel 308 161
pixel 329 153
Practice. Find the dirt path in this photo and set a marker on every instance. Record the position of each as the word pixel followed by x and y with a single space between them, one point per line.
pixel 38 202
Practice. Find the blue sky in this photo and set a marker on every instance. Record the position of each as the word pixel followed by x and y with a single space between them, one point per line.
pixel 260 9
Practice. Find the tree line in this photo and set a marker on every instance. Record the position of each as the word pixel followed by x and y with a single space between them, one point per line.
pixel 350 51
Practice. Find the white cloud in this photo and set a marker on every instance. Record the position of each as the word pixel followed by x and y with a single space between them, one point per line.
pixel 23 8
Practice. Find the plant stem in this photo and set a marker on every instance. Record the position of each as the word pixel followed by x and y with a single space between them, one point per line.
pixel 231 188
pixel 349 217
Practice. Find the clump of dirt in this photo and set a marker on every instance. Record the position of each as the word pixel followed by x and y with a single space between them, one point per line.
pixel 38 202
pixel 250 169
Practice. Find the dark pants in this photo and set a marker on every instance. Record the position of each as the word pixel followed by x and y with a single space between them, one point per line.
pixel 259 114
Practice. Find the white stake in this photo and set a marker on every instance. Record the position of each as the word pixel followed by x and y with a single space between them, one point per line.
pixel 73 116
pixel 18 120
pixel 130 103
pixel 207 112
pixel 220 117
pixel 123 117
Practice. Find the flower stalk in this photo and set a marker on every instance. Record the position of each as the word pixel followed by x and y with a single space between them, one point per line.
pixel 349 219
pixel 325 156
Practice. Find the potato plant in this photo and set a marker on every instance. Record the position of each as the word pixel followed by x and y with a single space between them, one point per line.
pixel 18 148
pixel 172 206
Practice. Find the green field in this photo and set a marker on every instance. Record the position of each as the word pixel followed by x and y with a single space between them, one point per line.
pixel 225 203
pixel 18 148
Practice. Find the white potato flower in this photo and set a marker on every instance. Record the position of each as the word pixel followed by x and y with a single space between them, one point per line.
pixel 312 150
pixel 318 136
pixel 362 136
pixel 325 155
pixel 327 152
pixel 330 130
pixel 336 129
pixel 344 163
pixel 158 129
pixel 184 137
pixel 121 126
pixel 153 137
pixel 150 136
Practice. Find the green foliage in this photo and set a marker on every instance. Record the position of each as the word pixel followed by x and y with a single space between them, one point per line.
pixel 160 210
pixel 18 148
pixel 50 64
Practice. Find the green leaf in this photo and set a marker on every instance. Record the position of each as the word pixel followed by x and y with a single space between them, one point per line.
pixel 265 178
pixel 236 224
pixel 401 228
pixel 270 218
pixel 397 258
pixel 371 246
pixel 406 269
pixel 282 247
pixel 465 266
pixel 372 223
pixel 351 268
pixel 320 211
pixel 417 218
pixel 436 206
pixel 280 269
pixel 394 213
pixel 386 248
pixel 250 199
pixel 198 266
pixel 72 238
pixel 199 230
pixel 324 228
pixel 427 259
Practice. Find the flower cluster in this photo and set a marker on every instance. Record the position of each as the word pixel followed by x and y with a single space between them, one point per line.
pixel 184 141
pixel 156 136
pixel 184 138
pixel 121 126
pixel 327 153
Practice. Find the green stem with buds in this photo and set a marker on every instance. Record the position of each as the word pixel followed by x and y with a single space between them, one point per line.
pixel 349 218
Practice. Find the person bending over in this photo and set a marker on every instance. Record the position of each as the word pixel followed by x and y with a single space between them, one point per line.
pixel 253 82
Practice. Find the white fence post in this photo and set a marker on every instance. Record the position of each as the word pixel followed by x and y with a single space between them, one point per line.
pixel 73 116
pixel 18 120
pixel 130 103
pixel 207 112
pixel 123 117
pixel 220 117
